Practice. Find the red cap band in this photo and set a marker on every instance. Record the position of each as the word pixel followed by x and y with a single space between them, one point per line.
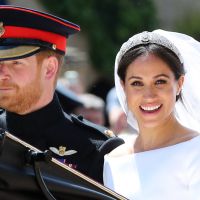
pixel 30 33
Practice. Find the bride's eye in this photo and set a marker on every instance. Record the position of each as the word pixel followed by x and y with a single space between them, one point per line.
pixel 137 83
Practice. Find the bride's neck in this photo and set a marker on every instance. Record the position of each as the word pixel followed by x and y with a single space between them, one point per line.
pixel 157 137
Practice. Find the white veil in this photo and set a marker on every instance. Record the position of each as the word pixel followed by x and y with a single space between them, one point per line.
pixel 189 112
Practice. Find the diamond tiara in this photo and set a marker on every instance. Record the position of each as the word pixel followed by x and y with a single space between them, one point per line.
pixel 148 38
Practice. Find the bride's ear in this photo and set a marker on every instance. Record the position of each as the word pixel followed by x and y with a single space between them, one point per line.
pixel 180 84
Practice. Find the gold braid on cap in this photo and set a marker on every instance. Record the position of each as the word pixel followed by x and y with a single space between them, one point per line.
pixel 148 38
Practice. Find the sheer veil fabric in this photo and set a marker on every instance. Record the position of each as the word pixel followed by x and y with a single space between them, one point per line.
pixel 188 112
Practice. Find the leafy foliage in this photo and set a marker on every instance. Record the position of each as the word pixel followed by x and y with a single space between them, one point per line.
pixel 106 24
pixel 190 25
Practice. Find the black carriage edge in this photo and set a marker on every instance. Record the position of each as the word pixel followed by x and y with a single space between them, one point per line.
pixel 26 173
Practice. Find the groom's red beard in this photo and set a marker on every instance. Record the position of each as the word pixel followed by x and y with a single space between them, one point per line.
pixel 19 100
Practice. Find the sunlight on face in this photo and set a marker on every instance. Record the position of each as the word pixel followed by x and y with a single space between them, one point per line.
pixel 20 87
pixel 150 88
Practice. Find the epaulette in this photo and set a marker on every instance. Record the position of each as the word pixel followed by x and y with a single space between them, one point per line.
pixel 81 121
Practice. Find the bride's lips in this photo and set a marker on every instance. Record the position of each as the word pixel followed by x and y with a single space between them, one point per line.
pixel 150 109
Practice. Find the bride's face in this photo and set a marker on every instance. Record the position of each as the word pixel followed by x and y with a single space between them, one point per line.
pixel 151 88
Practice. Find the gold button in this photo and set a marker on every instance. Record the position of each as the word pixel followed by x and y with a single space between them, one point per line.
pixel 2 30
pixel 109 133
pixel 54 46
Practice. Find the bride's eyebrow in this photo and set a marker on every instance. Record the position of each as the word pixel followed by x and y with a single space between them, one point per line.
pixel 135 77
pixel 159 75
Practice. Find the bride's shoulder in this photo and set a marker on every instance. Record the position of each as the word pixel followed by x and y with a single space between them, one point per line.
pixel 124 149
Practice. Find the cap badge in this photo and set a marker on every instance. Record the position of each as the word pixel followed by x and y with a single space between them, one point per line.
pixel 61 151
pixel 2 30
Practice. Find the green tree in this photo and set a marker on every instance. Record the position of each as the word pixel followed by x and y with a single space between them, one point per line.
pixel 106 24
pixel 189 25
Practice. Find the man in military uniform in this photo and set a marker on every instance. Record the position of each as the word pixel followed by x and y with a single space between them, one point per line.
pixel 32 47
